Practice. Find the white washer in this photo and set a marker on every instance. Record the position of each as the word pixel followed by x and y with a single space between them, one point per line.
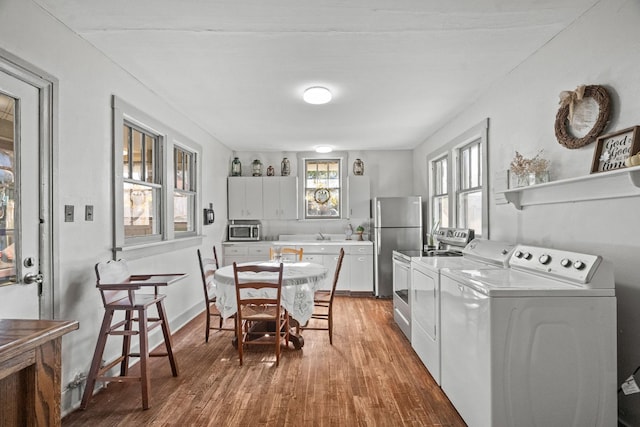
pixel 532 345
pixel 425 296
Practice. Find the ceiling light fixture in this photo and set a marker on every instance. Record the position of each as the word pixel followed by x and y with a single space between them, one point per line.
pixel 324 149
pixel 317 95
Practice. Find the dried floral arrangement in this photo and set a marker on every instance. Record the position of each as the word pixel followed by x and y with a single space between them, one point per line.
pixel 521 166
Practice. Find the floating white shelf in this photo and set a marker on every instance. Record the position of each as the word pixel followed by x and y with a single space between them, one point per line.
pixel 615 184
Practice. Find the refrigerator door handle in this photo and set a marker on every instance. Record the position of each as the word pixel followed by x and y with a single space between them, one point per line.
pixel 377 223
pixel 378 242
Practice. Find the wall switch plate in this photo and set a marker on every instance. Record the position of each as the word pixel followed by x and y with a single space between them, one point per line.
pixel 68 213
pixel 88 213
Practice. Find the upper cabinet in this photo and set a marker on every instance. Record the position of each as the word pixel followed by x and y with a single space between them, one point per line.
pixel 245 197
pixel 280 197
pixel 359 196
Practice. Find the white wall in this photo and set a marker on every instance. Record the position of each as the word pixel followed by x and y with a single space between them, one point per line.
pixel 87 80
pixel 599 48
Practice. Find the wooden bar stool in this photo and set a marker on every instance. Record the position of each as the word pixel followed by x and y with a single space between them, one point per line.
pixel 118 290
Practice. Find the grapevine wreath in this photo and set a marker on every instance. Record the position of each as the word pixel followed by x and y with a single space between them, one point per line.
pixel 565 113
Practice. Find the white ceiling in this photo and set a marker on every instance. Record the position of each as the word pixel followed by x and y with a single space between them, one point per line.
pixel 398 69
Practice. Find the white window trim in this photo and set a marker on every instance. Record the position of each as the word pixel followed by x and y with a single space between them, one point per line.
pixel 168 241
pixel 338 155
pixel 479 131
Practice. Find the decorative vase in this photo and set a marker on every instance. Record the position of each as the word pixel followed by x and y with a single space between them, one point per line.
pixel 285 169
pixel 236 167
pixel 256 168
pixel 358 167
pixel 270 171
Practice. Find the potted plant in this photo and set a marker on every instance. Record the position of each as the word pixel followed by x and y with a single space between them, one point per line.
pixel 359 231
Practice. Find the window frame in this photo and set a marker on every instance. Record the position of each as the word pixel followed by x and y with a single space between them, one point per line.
pixel 452 150
pixel 338 156
pixel 167 239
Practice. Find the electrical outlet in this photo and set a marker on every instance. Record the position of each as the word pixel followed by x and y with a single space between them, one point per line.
pixel 88 213
pixel 68 213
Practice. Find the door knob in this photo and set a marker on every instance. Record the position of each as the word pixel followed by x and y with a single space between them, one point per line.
pixel 30 278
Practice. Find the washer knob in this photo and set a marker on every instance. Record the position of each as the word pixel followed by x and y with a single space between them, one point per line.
pixel 544 259
pixel 518 254
pixel 578 265
pixel 527 255
pixel 566 262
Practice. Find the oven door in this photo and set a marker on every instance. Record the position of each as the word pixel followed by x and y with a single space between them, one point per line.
pixel 401 293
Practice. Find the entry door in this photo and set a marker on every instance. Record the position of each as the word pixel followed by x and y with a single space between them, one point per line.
pixel 19 199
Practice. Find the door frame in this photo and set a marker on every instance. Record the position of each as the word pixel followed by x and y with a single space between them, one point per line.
pixel 47 87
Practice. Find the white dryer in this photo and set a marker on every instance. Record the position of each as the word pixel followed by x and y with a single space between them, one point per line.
pixel 425 293
pixel 531 345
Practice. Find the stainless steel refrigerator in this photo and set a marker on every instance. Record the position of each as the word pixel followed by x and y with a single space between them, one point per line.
pixel 397 225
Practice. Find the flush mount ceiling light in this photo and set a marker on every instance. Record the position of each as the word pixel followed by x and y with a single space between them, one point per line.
pixel 317 95
pixel 323 149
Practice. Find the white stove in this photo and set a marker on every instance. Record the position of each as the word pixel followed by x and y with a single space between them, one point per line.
pixel 533 344
pixel 425 293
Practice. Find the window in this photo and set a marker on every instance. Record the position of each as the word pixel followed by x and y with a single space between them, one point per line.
pixel 184 195
pixel 141 188
pixel 470 188
pixel 322 187
pixel 457 193
pixel 440 199
pixel 156 201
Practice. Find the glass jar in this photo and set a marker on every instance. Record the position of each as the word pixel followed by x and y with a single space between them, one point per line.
pixel 285 169
pixel 270 171
pixel 236 167
pixel 358 167
pixel 256 168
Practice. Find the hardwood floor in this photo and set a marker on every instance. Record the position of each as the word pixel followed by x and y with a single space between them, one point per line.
pixel 369 377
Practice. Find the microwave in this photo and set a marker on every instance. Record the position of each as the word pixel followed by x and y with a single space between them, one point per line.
pixel 244 232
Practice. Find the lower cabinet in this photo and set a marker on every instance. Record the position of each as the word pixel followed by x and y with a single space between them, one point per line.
pixel 356 274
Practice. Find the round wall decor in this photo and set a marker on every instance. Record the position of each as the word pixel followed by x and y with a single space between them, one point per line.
pixel 600 95
pixel 322 195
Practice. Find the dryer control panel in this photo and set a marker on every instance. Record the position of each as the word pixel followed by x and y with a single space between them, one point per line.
pixel 566 265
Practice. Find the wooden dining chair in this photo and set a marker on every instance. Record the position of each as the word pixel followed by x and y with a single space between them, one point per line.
pixel 323 303
pixel 208 267
pixel 259 302
pixel 287 251
pixel 118 290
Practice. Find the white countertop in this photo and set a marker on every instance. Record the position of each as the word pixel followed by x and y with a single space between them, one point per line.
pixel 302 242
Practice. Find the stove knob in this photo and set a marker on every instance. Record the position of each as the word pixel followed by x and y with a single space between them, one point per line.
pixel 566 262
pixel 544 259
pixel 579 265
pixel 527 256
pixel 518 254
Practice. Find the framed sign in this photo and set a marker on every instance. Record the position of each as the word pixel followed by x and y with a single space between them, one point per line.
pixel 614 148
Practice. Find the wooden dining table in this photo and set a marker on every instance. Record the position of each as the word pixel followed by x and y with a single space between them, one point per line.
pixel 300 280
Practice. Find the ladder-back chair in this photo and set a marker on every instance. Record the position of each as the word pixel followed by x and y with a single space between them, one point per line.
pixel 208 267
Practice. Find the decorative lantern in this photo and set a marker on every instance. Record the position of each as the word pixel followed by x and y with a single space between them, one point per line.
pixel 270 171
pixel 285 169
pixel 236 167
pixel 256 167
pixel 358 167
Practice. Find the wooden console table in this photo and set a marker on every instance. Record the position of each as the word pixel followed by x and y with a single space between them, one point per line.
pixel 30 371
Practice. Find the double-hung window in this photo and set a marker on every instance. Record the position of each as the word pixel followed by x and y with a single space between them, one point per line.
pixel 457 191
pixel 322 186
pixel 156 180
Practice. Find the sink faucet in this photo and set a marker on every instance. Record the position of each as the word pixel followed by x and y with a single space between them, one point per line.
pixel 321 236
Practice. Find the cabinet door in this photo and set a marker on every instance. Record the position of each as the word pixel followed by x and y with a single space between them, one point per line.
pixel 288 197
pixel 244 197
pixel 361 273
pixel 271 197
pixel 235 197
pixel 359 197
pixel 330 261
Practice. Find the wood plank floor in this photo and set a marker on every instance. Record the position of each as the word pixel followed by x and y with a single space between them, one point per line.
pixel 369 377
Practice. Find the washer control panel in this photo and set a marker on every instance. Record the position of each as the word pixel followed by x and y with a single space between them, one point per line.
pixel 572 266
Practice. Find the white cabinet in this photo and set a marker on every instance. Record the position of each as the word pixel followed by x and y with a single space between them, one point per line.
pixel 361 270
pixel 245 197
pixel 280 197
pixel 359 196
pixel 244 252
